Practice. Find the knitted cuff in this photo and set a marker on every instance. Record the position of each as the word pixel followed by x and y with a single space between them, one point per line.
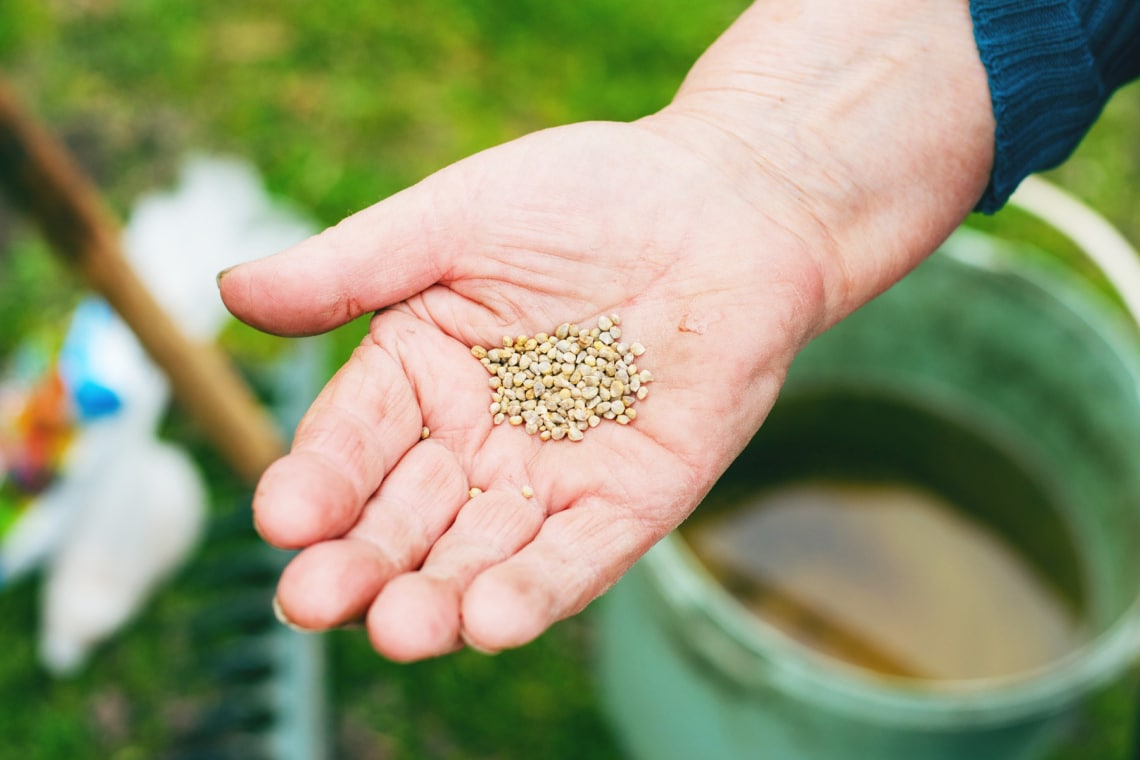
pixel 1043 87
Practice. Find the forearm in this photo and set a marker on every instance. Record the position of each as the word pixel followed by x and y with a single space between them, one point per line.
pixel 872 118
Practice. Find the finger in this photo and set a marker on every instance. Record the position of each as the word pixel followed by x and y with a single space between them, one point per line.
pixel 578 554
pixel 372 259
pixel 334 582
pixel 417 615
pixel 354 433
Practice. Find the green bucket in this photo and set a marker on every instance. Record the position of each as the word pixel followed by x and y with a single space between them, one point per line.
pixel 995 334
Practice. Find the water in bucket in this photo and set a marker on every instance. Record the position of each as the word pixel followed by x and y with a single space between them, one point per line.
pixel 896 538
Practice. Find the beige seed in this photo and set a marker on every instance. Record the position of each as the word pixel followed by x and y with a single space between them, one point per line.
pixel 479 352
pixel 527 492
pixel 574 434
pixel 473 491
pixel 636 349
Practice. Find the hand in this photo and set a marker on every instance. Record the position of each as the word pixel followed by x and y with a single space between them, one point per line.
pixel 564 225
pixel 815 153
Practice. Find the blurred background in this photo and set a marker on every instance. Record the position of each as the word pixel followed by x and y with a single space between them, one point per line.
pixel 337 106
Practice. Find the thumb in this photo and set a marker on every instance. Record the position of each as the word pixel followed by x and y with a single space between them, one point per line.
pixel 372 259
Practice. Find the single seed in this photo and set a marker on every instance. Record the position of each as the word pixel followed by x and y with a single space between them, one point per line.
pixel 527 492
pixel 574 434
pixel 479 352
pixel 473 491
pixel 605 322
pixel 425 431
pixel 636 349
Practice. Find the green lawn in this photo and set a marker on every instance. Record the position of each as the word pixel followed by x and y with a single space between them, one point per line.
pixel 340 105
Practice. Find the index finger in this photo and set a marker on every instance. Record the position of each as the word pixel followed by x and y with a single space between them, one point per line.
pixel 357 429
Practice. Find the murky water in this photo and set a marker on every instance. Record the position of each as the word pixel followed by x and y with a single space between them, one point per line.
pixel 890 537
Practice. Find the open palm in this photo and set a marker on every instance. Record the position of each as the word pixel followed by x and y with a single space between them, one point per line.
pixel 561 226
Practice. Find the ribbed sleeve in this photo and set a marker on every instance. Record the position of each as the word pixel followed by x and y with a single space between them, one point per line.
pixel 1052 65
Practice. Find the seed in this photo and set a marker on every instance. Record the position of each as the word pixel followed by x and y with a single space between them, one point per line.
pixel 473 491
pixel 561 385
pixel 527 492
pixel 425 431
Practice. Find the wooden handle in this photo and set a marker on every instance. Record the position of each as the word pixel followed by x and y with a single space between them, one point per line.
pixel 41 178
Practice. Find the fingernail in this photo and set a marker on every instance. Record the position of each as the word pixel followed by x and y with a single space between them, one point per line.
pixel 475 647
pixel 223 273
pixel 283 620
pixel 353 625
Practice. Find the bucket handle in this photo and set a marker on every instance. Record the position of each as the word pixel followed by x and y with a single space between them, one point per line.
pixel 1102 243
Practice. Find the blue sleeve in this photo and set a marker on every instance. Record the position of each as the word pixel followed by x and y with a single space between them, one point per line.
pixel 1052 65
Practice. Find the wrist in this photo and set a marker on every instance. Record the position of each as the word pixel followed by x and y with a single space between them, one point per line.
pixel 866 128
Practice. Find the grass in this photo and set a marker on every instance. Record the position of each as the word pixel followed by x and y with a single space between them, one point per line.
pixel 340 105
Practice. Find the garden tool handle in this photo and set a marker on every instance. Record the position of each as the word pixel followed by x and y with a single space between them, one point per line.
pixel 41 178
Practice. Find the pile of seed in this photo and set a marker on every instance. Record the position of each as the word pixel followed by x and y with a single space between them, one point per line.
pixel 561 385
